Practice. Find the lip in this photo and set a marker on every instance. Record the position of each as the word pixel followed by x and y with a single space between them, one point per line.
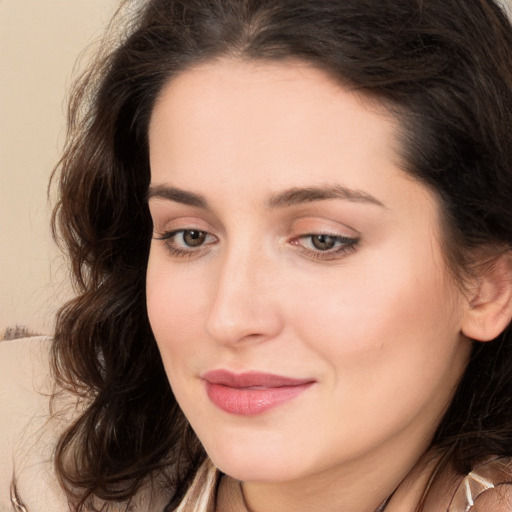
pixel 251 393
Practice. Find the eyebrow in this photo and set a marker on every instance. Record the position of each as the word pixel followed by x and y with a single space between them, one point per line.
pixel 290 197
pixel 177 195
pixel 299 195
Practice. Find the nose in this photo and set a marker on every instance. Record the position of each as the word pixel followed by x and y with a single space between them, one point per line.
pixel 244 304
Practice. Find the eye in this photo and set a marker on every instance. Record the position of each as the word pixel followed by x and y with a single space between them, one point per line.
pixel 193 238
pixel 325 246
pixel 185 242
pixel 323 242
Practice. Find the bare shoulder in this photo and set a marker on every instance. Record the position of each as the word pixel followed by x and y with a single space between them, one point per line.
pixel 27 437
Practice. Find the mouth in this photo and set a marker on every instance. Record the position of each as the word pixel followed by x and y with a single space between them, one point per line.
pixel 251 393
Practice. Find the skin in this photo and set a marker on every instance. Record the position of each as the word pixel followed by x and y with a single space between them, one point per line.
pixel 375 323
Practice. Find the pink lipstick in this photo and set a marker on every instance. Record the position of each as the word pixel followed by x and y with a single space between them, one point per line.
pixel 251 393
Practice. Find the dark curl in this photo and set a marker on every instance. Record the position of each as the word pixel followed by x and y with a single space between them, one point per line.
pixel 444 67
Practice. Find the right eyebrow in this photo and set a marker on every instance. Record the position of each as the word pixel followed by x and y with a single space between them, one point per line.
pixel 177 195
pixel 297 196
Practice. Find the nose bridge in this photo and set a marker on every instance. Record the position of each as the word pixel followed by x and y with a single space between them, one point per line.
pixel 241 307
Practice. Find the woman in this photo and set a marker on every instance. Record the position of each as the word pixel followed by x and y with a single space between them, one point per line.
pixel 298 215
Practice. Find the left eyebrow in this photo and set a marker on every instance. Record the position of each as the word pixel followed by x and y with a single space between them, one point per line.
pixel 296 196
pixel 177 195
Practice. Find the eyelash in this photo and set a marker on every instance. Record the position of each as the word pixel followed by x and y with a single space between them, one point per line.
pixel 168 238
pixel 346 245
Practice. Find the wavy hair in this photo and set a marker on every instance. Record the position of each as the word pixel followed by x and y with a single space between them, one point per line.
pixel 443 67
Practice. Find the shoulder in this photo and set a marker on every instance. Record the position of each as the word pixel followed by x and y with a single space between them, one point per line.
pixel 27 436
pixel 439 487
pixel 497 500
pixel 487 488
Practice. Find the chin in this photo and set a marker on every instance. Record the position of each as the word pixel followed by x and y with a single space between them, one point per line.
pixel 258 463
pixel 251 470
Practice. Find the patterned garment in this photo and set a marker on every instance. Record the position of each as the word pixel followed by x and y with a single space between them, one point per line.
pixel 202 495
pixel 483 478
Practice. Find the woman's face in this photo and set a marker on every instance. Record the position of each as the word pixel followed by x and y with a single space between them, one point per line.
pixel 296 285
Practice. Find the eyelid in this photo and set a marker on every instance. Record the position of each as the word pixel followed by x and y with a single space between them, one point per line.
pixel 166 219
pixel 309 224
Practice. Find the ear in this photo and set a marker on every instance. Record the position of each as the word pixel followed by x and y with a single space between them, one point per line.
pixel 490 302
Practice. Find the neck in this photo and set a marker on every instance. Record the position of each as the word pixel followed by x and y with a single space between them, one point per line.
pixel 313 496
pixel 360 486
pixel 247 507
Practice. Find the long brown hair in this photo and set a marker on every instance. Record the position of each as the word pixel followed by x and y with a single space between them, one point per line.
pixel 444 67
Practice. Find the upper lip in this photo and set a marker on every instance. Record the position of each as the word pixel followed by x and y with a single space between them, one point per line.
pixel 251 379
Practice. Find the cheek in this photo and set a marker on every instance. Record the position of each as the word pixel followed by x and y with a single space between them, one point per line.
pixel 392 348
pixel 174 306
pixel 378 322
pixel 174 312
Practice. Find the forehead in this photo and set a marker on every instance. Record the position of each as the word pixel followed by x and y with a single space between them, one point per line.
pixel 264 91
pixel 261 111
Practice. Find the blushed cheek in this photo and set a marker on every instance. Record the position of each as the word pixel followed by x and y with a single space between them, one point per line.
pixel 176 307
pixel 169 326
pixel 159 301
pixel 366 316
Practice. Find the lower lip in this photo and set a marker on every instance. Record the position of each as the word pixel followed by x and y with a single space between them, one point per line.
pixel 250 402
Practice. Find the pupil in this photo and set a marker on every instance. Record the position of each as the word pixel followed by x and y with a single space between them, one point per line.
pixel 194 238
pixel 323 242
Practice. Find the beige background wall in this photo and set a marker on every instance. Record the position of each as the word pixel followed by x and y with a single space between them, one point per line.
pixel 39 43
